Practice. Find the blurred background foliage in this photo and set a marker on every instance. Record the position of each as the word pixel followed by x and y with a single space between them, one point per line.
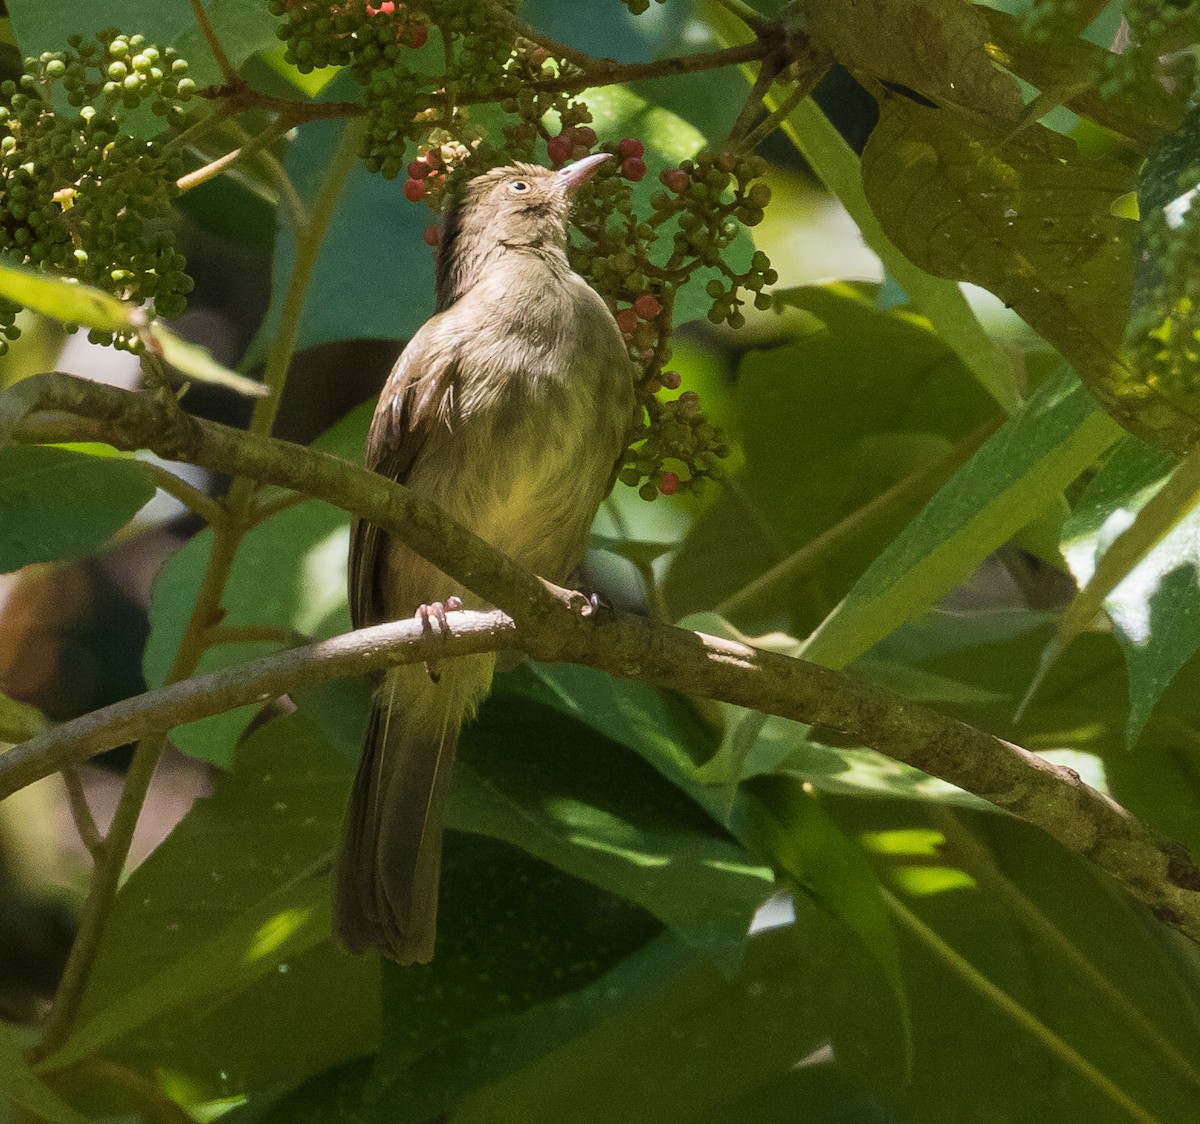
pixel 657 909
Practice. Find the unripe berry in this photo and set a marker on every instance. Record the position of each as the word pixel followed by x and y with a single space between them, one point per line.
pixel 670 379
pixel 759 195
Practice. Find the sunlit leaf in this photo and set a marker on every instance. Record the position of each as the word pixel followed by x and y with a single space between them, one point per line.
pixel 1009 482
pixel 1133 543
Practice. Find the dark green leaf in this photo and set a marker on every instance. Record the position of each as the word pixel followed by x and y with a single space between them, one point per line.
pixel 56 503
pixel 232 901
pixel 547 783
pixel 803 841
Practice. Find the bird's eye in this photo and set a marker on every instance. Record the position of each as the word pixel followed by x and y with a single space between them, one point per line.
pixel 519 187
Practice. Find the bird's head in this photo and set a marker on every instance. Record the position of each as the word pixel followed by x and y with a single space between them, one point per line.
pixel 519 206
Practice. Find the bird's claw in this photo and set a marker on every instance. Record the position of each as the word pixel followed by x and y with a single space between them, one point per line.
pixel 593 606
pixel 436 611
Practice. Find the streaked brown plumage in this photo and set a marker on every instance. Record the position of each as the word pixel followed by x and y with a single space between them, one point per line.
pixel 510 408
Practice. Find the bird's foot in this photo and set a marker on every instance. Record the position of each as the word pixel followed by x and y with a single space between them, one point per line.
pixel 593 606
pixel 436 611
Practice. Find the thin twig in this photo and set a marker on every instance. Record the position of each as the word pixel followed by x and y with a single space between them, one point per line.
pixel 214 168
pixel 264 508
pixel 196 501
pixel 227 537
pixel 753 105
pixel 81 813
pixel 228 71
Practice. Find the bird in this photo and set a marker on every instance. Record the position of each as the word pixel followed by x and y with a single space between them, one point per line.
pixel 511 408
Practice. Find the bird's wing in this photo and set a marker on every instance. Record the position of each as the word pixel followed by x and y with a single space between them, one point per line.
pixel 410 405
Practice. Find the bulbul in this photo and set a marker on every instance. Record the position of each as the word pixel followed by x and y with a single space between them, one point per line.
pixel 510 408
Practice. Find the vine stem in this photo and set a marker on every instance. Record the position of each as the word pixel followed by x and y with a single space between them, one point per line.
pixel 227 537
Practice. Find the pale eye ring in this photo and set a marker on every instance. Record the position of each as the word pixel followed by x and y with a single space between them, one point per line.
pixel 519 187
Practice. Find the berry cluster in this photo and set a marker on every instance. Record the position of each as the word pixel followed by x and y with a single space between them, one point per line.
pixel 418 125
pixel 1156 49
pixel 404 104
pixel 640 262
pixel 79 196
pixel 1164 333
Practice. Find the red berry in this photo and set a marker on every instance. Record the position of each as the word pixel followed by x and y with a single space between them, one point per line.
pixel 675 179
pixel 670 379
pixel 630 147
pixel 647 307
pixel 585 134
pixel 432 234
pixel 669 483
pixel 633 169
pixel 538 56
pixel 418 35
pixel 418 169
pixel 414 190
pixel 559 148
pixel 627 320
pixel 384 8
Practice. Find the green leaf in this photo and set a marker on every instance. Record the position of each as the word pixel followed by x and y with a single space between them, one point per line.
pixel 861 400
pixel 810 848
pixel 231 899
pixel 1133 544
pixel 837 166
pixel 935 49
pixel 69 302
pixel 691 1043
pixel 289 575
pixel 1026 217
pixel 56 503
pixel 241 28
pixel 662 728
pixel 198 363
pixel 1008 483
pixel 526 774
pixel 513 933
pixel 19 721
pixel 21 1086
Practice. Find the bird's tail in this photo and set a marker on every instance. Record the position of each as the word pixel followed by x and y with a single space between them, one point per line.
pixel 387 874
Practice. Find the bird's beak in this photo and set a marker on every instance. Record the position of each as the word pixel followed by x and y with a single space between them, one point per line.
pixel 570 177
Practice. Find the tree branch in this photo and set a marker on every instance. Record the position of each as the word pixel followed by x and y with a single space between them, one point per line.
pixel 550 627
pixel 629 647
